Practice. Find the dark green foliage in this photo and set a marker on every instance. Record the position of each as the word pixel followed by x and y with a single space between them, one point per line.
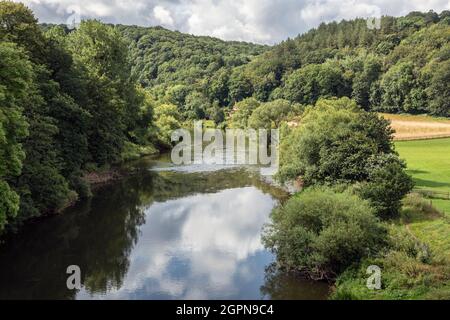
pixel 15 81
pixel 163 57
pixel 333 143
pixel 100 51
pixel 308 84
pixel 320 232
pixel 196 105
pixel 411 270
pixel 240 86
pixel 439 90
pixel 242 112
pixel 167 120
pixel 386 186
pixel 200 75
pixel 269 115
pixel 18 25
pixel 391 69
pixel 338 143
pixel 396 86
pixel 73 93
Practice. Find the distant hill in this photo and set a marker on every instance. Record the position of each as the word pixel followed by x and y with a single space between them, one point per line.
pixel 161 56
pixel 401 67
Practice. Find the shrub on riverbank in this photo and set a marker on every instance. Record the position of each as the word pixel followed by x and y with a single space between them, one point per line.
pixel 386 185
pixel 320 232
pixel 410 268
pixel 336 142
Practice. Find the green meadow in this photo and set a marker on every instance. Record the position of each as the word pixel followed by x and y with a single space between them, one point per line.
pixel 429 164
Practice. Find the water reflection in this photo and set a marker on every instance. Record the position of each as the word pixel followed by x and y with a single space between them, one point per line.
pixel 154 235
pixel 197 247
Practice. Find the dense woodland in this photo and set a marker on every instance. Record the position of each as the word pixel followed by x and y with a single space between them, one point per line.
pixel 401 67
pixel 68 106
pixel 78 101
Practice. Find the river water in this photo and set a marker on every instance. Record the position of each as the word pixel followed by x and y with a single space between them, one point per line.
pixel 162 232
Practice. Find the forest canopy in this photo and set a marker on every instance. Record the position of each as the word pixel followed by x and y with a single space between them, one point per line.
pixel 400 68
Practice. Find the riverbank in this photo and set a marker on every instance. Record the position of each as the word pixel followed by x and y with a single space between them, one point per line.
pixel 91 179
pixel 427 221
pixel 100 176
pixel 418 267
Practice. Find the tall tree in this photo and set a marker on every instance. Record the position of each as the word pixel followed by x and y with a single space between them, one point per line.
pixel 15 81
pixel 100 51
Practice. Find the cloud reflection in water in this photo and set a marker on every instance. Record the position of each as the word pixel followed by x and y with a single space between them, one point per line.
pixel 204 246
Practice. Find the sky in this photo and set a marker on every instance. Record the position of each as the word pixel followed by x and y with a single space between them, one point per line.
pixel 259 21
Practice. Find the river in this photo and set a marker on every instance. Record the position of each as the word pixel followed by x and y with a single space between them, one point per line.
pixel 161 232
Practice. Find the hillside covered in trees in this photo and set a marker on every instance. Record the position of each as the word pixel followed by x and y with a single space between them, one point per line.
pixel 403 67
pixel 198 75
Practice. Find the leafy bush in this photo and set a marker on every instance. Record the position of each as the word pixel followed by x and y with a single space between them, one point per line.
pixel 321 232
pixel 333 143
pixel 269 115
pixel 338 143
pixel 387 184
pixel 409 271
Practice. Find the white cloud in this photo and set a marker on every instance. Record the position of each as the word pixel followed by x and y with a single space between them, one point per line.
pixel 210 241
pixel 263 21
pixel 163 16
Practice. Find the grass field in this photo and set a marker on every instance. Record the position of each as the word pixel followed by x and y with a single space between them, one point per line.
pixel 429 163
pixel 408 127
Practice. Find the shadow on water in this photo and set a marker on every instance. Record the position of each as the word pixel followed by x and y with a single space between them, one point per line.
pixel 279 285
pixel 156 234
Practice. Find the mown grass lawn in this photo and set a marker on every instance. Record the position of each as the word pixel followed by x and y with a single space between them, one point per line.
pixel 429 164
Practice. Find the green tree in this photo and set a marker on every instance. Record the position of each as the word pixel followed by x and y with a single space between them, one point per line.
pixel 308 84
pixel 215 113
pixel 269 115
pixel 242 112
pixel 15 81
pixel 365 80
pixel 386 185
pixel 217 87
pixel 240 85
pixel 177 95
pixel 333 143
pixel 100 51
pixel 320 232
pixel 439 90
pixel 167 120
pixel 337 142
